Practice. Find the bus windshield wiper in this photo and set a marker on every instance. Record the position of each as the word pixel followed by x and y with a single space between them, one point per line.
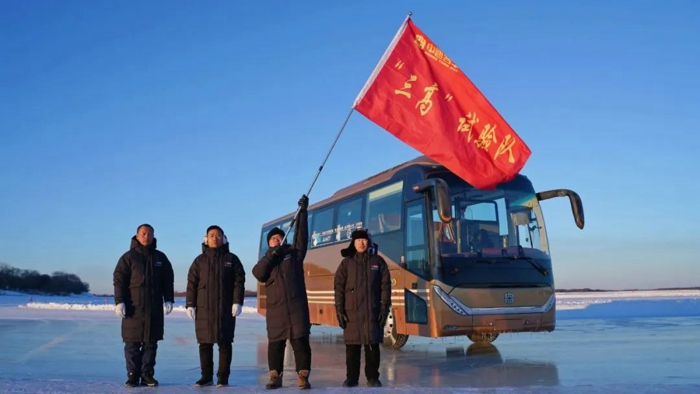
pixel 495 260
pixel 530 260
pixel 481 260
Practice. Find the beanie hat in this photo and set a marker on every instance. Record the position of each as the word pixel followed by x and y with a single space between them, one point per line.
pixel 273 232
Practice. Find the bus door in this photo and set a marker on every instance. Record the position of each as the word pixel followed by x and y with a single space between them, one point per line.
pixel 414 291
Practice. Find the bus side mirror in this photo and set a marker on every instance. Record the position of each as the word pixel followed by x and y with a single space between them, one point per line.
pixel 441 193
pixel 576 204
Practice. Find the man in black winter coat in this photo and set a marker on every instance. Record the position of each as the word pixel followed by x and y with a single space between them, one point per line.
pixel 362 300
pixel 215 291
pixel 281 270
pixel 143 280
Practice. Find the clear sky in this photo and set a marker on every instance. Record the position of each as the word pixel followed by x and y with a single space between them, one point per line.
pixel 187 114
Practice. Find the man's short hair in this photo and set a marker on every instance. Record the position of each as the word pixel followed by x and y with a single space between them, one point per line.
pixel 144 225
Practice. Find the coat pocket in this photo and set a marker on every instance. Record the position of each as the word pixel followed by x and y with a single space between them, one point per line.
pixel 135 295
pixel 202 296
pixel 350 301
pixel 272 292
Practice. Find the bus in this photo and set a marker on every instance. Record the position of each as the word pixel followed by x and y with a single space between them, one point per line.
pixel 463 261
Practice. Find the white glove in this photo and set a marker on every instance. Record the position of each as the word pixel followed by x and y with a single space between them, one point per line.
pixel 236 310
pixel 120 311
pixel 168 307
pixel 191 312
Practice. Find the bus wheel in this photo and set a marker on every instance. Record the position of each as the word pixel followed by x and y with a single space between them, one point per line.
pixel 484 337
pixel 392 340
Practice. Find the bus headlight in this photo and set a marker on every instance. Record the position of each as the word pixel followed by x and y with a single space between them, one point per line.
pixel 550 303
pixel 450 301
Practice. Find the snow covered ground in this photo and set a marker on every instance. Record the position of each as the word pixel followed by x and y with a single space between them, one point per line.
pixel 627 342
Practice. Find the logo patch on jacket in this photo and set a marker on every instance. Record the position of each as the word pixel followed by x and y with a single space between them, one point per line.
pixel 159 263
pixel 228 264
pixel 374 267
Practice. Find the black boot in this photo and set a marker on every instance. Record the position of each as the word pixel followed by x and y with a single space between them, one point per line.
pixel 133 380
pixel 349 383
pixel 204 381
pixel 206 363
pixel 147 379
pixel 221 381
pixel 374 383
pixel 225 355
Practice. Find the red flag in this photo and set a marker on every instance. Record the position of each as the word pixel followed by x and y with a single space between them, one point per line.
pixel 419 95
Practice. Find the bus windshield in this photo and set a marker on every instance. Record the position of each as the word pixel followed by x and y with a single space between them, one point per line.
pixel 506 222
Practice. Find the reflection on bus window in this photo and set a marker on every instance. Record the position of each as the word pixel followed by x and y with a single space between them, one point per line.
pixel 349 218
pixel 322 229
pixel 529 230
pixel 493 223
pixel 384 209
pixel 416 248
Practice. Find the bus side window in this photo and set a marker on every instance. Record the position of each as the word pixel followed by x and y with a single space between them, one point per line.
pixel 416 242
pixel 322 228
pixel 263 243
pixel 349 218
pixel 290 233
pixel 384 209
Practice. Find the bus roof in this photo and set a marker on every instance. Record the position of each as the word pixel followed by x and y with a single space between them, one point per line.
pixel 369 182
pixel 364 184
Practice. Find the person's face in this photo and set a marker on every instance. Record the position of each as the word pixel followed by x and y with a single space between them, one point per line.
pixel 361 245
pixel 144 235
pixel 275 240
pixel 215 238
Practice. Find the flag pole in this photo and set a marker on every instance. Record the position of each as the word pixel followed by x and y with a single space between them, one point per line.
pixel 382 60
pixel 347 118
pixel 366 86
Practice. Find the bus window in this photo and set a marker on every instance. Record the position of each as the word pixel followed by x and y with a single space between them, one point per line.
pixel 290 233
pixel 416 250
pixel 485 211
pixel 349 218
pixel 528 230
pixel 502 217
pixel 482 227
pixel 322 229
pixel 263 242
pixel 384 209
pixel 285 227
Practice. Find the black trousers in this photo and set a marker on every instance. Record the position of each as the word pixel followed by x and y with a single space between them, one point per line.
pixel 206 359
pixel 140 357
pixel 302 354
pixel 352 362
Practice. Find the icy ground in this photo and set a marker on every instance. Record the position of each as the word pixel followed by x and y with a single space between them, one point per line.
pixel 622 342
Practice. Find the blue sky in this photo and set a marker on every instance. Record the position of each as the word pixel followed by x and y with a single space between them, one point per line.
pixel 185 114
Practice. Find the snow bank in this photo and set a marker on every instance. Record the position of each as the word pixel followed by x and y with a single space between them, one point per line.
pixel 565 301
pixel 101 307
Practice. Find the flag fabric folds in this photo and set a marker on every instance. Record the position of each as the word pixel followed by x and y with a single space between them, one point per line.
pixel 418 94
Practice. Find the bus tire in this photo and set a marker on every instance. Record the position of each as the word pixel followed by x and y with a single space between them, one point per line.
pixel 392 340
pixel 395 342
pixel 483 337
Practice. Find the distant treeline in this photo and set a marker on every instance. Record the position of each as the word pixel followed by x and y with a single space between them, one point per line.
pixel 58 283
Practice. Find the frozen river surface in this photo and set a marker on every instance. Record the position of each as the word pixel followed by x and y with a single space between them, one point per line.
pixel 627 343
